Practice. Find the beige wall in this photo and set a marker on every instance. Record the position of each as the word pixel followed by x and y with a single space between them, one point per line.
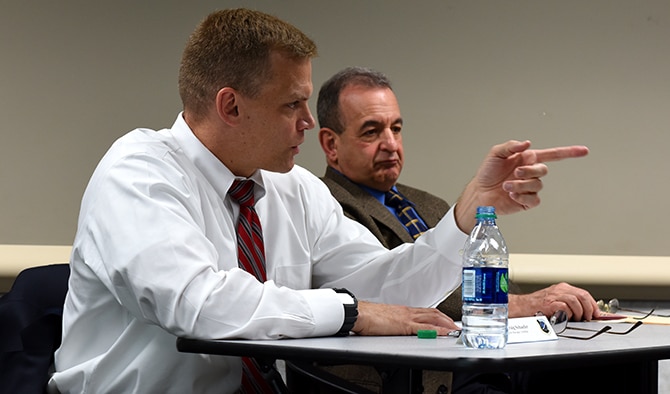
pixel 75 75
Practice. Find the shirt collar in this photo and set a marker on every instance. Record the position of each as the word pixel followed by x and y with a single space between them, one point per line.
pixel 216 173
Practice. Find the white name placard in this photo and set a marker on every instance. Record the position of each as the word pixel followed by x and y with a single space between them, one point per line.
pixel 530 329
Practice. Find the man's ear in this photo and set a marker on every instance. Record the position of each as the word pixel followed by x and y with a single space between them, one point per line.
pixel 227 101
pixel 329 140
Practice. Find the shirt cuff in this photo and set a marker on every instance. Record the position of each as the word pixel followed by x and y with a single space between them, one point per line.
pixel 327 310
pixel 455 238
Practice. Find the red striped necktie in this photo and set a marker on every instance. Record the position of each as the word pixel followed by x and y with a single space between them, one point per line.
pixel 250 250
pixel 251 257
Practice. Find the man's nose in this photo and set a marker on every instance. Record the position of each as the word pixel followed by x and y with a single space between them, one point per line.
pixel 389 140
pixel 307 122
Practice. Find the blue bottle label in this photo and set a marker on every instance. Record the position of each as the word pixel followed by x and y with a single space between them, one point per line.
pixel 486 285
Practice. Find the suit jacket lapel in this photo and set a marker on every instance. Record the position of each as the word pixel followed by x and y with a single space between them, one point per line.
pixel 373 207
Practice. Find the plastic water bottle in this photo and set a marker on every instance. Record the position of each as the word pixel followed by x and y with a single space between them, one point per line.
pixel 485 284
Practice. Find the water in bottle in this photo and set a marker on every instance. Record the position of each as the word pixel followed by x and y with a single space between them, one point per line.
pixel 485 284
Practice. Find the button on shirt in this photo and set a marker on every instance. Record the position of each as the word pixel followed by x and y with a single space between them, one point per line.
pixel 155 257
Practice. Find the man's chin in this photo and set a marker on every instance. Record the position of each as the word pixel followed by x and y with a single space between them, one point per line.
pixel 283 169
pixel 389 177
pixel 386 183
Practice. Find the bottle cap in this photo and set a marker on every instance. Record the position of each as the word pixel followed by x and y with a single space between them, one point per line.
pixel 487 212
pixel 426 334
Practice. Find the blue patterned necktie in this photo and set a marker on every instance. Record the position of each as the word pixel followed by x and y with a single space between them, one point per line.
pixel 405 211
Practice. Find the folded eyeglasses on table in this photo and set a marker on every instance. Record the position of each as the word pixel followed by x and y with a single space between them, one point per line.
pixel 613 306
pixel 559 322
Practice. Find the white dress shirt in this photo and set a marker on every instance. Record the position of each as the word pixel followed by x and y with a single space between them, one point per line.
pixel 155 257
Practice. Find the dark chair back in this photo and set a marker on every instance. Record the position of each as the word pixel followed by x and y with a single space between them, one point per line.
pixel 30 328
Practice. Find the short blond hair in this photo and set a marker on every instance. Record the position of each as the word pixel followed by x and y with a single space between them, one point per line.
pixel 231 48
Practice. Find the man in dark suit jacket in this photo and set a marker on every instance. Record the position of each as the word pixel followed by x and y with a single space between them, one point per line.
pixel 360 134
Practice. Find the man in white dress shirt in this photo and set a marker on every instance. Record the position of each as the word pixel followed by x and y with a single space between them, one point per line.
pixel 155 255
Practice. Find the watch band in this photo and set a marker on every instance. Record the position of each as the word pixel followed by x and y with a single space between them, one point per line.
pixel 350 313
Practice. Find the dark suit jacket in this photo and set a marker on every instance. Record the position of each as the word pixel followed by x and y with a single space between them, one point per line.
pixel 359 205
pixel 30 328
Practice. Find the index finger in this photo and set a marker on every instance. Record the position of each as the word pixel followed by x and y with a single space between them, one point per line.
pixel 560 153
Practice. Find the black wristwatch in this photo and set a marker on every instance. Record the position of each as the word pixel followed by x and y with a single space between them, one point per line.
pixel 350 312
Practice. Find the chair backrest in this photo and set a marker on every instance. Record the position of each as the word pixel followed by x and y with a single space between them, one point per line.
pixel 30 327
